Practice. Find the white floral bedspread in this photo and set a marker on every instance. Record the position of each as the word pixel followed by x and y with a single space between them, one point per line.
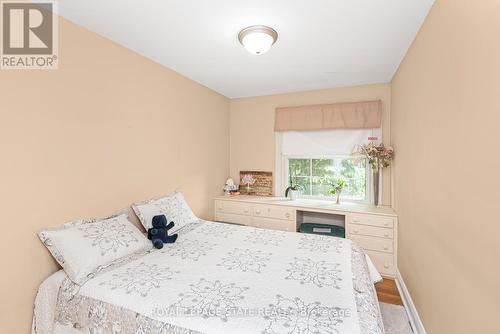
pixel 220 278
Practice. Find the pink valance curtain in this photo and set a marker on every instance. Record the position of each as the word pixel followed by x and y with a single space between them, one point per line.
pixel 352 115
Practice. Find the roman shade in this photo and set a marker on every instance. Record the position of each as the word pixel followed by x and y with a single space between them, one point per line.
pixel 326 142
pixel 351 115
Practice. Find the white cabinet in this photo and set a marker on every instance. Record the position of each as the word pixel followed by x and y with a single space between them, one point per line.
pixel 234 207
pixel 273 211
pixel 371 220
pixel 234 218
pixel 371 243
pixel 274 224
pixel 268 216
pixel 373 228
pixel 357 229
pixel 377 235
pixel 384 262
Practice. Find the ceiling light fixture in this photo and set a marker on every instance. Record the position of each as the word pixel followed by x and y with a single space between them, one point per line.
pixel 258 39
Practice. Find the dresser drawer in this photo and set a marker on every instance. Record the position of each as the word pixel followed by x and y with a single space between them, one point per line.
pixel 274 224
pixel 273 211
pixel 372 243
pixel 371 220
pixel 373 231
pixel 232 218
pixel 383 262
pixel 239 208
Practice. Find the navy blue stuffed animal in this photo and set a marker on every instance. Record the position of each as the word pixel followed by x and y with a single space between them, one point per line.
pixel 159 233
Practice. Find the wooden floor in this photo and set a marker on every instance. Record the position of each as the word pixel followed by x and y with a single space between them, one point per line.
pixel 387 292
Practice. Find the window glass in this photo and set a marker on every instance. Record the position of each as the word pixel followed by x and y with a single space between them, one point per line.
pixel 314 176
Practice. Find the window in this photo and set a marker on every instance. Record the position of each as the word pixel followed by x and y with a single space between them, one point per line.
pixel 314 176
pixel 315 159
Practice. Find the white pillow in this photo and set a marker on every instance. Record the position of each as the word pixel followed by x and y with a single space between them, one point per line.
pixel 86 246
pixel 173 206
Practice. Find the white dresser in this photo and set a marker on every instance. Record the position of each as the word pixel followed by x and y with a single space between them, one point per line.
pixel 373 228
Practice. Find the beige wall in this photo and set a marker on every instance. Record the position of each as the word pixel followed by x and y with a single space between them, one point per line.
pixel 107 128
pixel 252 125
pixel 445 125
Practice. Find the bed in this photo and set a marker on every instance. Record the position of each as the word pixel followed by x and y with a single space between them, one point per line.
pixel 221 278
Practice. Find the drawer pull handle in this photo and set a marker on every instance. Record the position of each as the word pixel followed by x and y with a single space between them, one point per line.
pixel 287 215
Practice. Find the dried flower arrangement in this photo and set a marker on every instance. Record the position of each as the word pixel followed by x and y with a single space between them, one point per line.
pixel 378 156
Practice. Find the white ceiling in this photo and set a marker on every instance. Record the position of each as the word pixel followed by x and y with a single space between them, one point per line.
pixel 321 43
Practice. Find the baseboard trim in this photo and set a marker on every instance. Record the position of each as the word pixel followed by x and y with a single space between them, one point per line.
pixel 411 310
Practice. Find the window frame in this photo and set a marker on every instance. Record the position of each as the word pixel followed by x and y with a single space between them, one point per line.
pixel 285 178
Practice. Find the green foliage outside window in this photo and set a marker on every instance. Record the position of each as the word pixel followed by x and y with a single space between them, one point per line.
pixel 315 176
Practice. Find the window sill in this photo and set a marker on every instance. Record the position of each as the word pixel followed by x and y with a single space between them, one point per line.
pixel 334 199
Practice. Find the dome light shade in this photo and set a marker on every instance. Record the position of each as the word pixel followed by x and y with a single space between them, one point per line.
pixel 257 39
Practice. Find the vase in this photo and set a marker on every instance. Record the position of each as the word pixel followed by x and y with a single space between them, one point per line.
pixel 376 186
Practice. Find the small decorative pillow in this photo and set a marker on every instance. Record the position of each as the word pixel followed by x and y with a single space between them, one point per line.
pixel 173 206
pixel 86 246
